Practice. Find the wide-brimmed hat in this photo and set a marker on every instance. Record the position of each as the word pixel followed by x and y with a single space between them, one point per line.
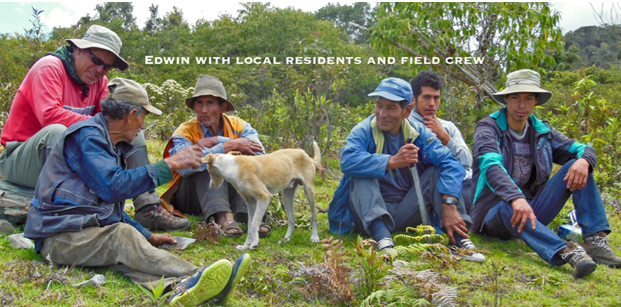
pixel 102 38
pixel 209 85
pixel 394 89
pixel 523 81
pixel 130 92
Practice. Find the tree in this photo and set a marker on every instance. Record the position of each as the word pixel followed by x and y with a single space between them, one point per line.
pixel 596 45
pixel 154 23
pixel 508 36
pixel 360 13
pixel 109 11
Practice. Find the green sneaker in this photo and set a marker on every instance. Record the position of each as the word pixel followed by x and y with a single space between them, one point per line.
pixel 241 266
pixel 597 247
pixel 203 285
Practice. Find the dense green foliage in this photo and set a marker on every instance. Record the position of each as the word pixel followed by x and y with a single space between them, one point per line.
pixel 595 46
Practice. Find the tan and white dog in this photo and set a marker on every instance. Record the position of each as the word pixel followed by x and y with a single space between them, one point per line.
pixel 256 178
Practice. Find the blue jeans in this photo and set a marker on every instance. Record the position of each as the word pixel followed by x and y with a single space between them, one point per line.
pixel 546 206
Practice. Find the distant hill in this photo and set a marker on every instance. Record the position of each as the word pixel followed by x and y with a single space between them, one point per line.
pixel 596 45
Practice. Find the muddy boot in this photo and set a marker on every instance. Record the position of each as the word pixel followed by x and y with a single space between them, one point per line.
pixel 575 255
pixel 597 247
pixel 159 218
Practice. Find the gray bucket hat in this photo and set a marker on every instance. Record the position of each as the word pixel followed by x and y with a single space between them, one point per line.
pixel 209 85
pixel 131 92
pixel 102 38
pixel 523 81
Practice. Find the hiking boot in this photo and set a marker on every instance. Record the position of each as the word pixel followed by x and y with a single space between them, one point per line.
pixel 200 287
pixel 160 219
pixel 597 247
pixel 577 257
pixel 466 249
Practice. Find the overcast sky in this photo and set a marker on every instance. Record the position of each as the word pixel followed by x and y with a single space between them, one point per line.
pixel 15 16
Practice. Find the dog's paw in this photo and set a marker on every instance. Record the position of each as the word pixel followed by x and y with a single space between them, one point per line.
pixel 241 247
pixel 314 239
pixel 284 240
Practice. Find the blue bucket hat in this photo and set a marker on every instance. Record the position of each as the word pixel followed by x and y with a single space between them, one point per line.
pixel 394 89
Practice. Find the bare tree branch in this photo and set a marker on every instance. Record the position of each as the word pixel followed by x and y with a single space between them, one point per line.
pixel 464 73
pixel 609 19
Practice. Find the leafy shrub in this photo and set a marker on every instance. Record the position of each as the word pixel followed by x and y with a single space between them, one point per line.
pixel 169 98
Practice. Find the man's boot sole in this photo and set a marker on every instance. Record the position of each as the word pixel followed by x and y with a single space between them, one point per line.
pixel 187 227
pixel 239 269
pixel 212 281
pixel 584 268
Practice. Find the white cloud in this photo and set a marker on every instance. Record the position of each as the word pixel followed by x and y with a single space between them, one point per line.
pixel 576 14
pixel 66 15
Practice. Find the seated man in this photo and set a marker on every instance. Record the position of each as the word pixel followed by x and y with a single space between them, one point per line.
pixel 377 195
pixel 63 88
pixel 77 215
pixel 215 132
pixel 513 156
pixel 427 88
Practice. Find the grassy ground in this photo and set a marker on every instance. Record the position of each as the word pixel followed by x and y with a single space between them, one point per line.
pixel 513 275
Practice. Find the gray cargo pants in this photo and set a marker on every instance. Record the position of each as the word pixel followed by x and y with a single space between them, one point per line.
pixel 120 247
pixel 21 162
pixel 195 197
pixel 367 204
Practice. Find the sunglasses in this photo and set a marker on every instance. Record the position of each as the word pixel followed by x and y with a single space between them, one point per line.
pixel 99 62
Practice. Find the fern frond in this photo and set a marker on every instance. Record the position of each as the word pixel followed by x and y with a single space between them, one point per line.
pixel 420 238
pixel 419 248
pixel 394 297
pixel 420 229
pixel 445 296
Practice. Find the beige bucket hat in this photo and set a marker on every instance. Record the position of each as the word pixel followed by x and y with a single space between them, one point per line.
pixel 102 38
pixel 209 85
pixel 131 92
pixel 523 81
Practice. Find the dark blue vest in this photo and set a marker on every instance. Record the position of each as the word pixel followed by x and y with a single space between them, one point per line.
pixel 76 206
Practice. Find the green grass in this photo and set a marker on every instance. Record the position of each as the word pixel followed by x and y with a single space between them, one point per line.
pixel 270 280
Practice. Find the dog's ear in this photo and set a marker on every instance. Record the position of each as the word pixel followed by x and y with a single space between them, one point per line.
pixel 209 159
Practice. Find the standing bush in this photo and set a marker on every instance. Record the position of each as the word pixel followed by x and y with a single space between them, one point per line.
pixel 170 99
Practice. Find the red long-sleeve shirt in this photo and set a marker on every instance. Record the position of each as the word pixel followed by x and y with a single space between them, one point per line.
pixel 49 96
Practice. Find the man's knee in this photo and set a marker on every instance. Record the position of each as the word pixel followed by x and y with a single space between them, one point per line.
pixel 139 140
pixel 565 168
pixel 53 133
pixel 364 186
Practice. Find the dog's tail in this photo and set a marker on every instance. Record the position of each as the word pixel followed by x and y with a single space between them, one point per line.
pixel 317 154
pixel 317 157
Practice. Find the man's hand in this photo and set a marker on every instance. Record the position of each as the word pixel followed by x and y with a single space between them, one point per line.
pixel 433 124
pixel 184 158
pixel 408 154
pixel 243 145
pixel 208 142
pixel 522 211
pixel 453 223
pixel 577 175
pixel 158 239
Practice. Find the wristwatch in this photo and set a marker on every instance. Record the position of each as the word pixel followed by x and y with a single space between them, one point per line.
pixel 450 201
